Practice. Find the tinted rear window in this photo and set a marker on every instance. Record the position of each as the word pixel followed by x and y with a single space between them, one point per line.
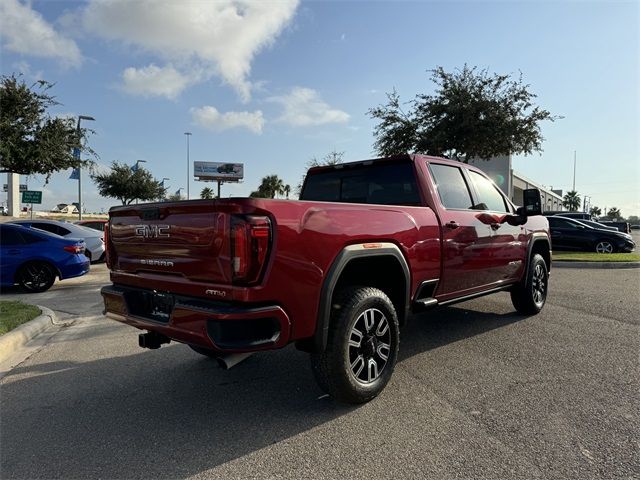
pixel 383 184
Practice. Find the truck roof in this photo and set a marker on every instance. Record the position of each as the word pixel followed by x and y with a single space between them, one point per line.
pixel 404 157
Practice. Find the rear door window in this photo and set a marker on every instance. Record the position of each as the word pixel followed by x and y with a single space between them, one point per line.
pixel 561 223
pixel 452 187
pixel 31 238
pixel 51 228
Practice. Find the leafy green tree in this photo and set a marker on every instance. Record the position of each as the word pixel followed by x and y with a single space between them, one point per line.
pixel 614 213
pixel 127 185
pixel 31 140
pixel 332 158
pixel 286 190
pixel 595 211
pixel 633 219
pixel 271 186
pixel 472 114
pixel 571 201
pixel 174 197
pixel 207 193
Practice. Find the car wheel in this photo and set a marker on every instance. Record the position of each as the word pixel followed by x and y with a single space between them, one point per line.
pixel 362 346
pixel 35 277
pixel 604 246
pixel 529 296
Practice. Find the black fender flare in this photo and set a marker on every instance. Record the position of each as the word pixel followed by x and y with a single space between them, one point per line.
pixel 318 342
pixel 538 237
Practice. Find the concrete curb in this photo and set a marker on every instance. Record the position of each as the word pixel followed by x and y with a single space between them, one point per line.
pixel 19 336
pixel 565 264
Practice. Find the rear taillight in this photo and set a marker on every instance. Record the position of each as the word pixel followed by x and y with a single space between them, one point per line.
pixel 76 249
pixel 250 241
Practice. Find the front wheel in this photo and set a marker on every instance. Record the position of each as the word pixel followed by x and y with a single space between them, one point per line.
pixel 36 277
pixel 529 296
pixel 362 347
pixel 604 246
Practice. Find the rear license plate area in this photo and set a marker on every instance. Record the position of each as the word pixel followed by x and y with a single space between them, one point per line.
pixel 156 306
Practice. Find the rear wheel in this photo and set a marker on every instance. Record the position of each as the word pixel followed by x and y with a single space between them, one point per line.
pixel 604 246
pixel 529 296
pixel 362 347
pixel 35 277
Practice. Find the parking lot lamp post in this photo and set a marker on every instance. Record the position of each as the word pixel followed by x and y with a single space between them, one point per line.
pixel 165 188
pixel 135 169
pixel 80 117
pixel 187 134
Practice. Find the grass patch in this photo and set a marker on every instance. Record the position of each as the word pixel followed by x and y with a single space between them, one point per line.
pixel 13 314
pixel 596 257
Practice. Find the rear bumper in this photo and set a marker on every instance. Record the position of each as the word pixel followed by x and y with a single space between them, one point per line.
pixel 218 326
pixel 75 269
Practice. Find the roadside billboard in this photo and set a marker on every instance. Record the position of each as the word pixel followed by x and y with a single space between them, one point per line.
pixel 229 172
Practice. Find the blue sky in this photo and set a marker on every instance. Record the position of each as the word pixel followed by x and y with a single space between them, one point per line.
pixel 272 85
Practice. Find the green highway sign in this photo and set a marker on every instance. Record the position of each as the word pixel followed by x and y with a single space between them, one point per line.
pixel 31 196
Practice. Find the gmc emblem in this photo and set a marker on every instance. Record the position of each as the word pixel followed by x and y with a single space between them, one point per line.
pixel 152 231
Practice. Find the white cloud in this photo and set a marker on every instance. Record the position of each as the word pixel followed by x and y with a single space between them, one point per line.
pixel 220 38
pixel 303 107
pixel 154 81
pixel 210 118
pixel 25 31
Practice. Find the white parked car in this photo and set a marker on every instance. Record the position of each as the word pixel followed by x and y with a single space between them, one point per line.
pixel 92 238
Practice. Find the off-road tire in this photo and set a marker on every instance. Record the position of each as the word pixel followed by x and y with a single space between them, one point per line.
pixel 334 370
pixel 36 277
pixel 529 296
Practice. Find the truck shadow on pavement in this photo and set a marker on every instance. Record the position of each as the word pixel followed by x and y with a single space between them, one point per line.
pixel 171 413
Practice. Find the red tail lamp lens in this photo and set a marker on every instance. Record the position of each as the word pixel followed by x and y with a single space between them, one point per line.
pixel 77 248
pixel 251 238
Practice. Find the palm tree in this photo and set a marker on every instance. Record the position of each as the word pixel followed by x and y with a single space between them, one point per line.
pixel 287 190
pixel 571 201
pixel 275 185
pixel 614 213
pixel 595 211
pixel 270 186
pixel 207 193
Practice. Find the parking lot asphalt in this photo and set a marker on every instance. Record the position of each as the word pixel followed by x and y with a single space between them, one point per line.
pixel 479 392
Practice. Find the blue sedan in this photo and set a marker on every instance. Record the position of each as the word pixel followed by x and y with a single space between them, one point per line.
pixel 33 258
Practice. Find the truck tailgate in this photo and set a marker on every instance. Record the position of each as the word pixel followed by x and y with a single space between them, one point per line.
pixel 188 240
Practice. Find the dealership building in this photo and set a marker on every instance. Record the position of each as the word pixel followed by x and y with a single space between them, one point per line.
pixel 500 170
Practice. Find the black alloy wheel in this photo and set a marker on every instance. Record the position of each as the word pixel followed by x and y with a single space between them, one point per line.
pixel 362 346
pixel 36 277
pixel 529 296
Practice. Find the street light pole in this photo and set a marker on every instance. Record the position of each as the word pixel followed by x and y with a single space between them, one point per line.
pixel 574 170
pixel 80 117
pixel 135 169
pixel 165 188
pixel 187 134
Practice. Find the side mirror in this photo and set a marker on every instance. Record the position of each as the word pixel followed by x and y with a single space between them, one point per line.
pixel 532 203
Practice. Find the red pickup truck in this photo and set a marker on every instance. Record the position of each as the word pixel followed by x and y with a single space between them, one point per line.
pixel 337 272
